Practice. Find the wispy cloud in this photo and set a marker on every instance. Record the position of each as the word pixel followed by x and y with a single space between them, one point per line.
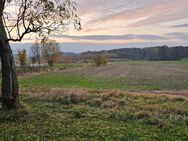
pixel 113 37
pixel 180 26
pixel 153 12
pixel 178 35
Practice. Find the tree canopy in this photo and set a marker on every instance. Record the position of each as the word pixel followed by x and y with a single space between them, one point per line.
pixel 38 16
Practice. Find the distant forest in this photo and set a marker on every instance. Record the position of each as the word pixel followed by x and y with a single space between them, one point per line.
pixel 161 53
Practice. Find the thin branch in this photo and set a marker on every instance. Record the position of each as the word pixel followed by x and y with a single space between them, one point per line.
pixel 42 17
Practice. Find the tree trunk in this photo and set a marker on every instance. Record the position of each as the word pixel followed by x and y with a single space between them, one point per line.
pixel 10 97
pixel 10 90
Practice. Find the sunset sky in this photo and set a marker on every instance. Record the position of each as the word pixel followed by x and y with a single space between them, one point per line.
pixel 108 24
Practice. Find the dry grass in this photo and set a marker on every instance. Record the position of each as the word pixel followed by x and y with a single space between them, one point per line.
pixel 97 114
pixel 139 70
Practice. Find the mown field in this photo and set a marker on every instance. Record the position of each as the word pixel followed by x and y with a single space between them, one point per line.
pixel 117 102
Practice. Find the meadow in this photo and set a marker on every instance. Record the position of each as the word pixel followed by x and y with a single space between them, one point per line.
pixel 130 75
pixel 123 101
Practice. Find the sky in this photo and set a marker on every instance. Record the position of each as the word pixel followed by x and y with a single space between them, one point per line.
pixel 111 24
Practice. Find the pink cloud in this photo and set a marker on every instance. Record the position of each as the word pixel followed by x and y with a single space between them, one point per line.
pixel 161 12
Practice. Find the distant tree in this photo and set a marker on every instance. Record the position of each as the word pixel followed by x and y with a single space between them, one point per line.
pixel 100 60
pixel 153 54
pixel 177 53
pixel 162 53
pixel 51 51
pixel 33 60
pixel 36 51
pixel 22 57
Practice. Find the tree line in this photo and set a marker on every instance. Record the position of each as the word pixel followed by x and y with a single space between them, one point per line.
pixel 160 53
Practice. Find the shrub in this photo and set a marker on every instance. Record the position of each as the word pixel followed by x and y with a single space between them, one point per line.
pixel 100 60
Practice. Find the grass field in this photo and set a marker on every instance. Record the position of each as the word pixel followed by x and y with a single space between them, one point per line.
pixel 109 103
pixel 132 75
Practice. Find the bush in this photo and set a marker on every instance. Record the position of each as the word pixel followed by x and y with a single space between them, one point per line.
pixel 100 60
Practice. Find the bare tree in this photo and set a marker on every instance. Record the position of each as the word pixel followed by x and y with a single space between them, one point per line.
pixel 51 52
pixel 36 51
pixel 31 16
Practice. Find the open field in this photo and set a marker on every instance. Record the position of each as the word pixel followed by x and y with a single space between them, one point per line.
pixel 123 101
pixel 135 76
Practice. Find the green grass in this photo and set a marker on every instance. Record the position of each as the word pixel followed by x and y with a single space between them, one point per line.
pixel 182 61
pixel 70 65
pixel 79 80
pixel 69 80
pixel 84 115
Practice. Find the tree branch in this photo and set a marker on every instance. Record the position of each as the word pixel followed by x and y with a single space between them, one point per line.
pixel 42 17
